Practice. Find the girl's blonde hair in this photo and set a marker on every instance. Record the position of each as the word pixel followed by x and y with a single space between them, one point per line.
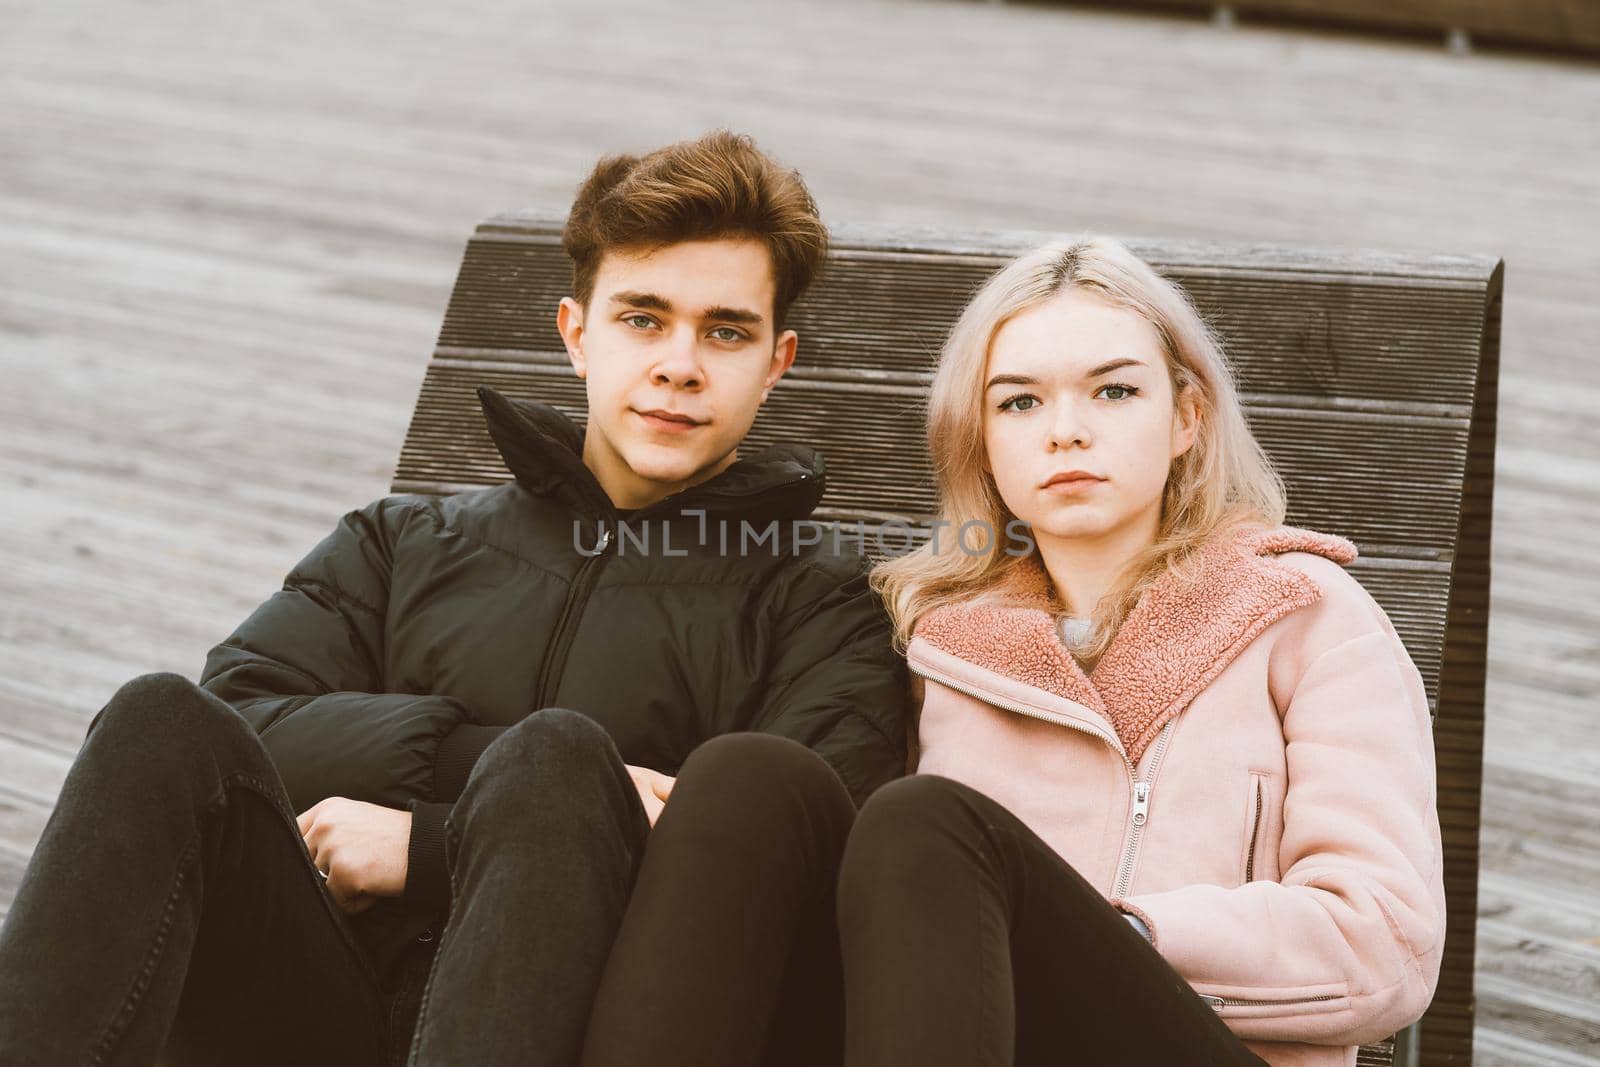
pixel 1225 479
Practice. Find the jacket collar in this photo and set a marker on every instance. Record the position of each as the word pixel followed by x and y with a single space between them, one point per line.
pixel 1178 637
pixel 543 449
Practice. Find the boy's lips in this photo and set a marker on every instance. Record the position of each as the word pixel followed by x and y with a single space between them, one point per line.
pixel 669 421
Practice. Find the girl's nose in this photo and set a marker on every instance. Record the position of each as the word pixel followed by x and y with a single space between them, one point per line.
pixel 1067 428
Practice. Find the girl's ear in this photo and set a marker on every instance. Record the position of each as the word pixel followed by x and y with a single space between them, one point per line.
pixel 1185 422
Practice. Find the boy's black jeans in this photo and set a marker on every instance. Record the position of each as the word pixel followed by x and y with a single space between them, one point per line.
pixel 171 914
pixel 171 904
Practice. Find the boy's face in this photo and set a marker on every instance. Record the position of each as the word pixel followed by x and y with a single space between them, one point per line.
pixel 678 350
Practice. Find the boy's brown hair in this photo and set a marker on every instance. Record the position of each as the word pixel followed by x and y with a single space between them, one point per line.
pixel 719 185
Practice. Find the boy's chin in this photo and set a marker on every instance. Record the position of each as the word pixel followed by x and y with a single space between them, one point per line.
pixel 668 466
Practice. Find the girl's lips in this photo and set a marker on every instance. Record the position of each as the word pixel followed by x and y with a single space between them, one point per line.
pixel 1073 485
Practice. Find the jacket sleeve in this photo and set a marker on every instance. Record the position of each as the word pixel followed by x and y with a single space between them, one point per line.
pixel 306 671
pixel 1345 948
pixel 837 685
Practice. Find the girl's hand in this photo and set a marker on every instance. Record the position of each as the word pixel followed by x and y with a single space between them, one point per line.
pixel 361 847
pixel 653 789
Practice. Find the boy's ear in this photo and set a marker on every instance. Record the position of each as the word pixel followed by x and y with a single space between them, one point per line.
pixel 569 321
pixel 783 351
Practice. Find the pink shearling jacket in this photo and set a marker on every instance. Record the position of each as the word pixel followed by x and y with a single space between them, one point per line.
pixel 1249 769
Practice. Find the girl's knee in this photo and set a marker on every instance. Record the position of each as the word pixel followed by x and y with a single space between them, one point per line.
pixel 746 760
pixel 914 825
pixel 916 800
pixel 755 772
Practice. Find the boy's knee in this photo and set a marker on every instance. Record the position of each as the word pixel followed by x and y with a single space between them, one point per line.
pixel 166 704
pixel 550 737
pixel 164 723
pixel 552 760
pixel 560 726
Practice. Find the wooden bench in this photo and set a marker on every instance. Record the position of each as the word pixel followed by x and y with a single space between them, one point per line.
pixel 1370 378
pixel 1565 26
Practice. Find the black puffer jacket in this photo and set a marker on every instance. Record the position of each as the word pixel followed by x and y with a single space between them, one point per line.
pixel 422 627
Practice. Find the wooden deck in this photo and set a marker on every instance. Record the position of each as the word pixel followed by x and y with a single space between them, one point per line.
pixel 226 241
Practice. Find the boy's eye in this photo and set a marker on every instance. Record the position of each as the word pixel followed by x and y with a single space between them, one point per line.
pixel 639 322
pixel 1022 402
pixel 727 333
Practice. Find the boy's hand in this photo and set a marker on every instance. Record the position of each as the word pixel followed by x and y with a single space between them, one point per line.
pixel 653 789
pixel 361 847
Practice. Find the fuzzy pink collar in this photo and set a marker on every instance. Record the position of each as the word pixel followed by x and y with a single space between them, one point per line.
pixel 1177 638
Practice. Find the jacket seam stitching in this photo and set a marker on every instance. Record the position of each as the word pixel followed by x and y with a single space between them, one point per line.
pixel 1388 918
pixel 442 525
pixel 1362 636
pixel 1413 962
pixel 258 660
pixel 298 581
pixel 291 705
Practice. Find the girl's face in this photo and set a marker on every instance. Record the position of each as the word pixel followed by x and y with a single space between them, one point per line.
pixel 1079 386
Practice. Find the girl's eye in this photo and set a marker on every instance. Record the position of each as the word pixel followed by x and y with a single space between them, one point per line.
pixel 727 333
pixel 1021 402
pixel 1126 391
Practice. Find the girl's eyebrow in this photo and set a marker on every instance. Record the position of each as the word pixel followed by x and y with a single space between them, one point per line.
pixel 1115 364
pixel 1102 369
pixel 1010 379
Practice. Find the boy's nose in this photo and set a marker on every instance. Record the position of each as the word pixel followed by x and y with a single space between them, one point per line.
pixel 679 365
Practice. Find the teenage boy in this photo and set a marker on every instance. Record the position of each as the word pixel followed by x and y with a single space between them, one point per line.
pixel 477 703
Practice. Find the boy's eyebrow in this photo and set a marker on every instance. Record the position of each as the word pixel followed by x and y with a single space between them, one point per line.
pixel 636 299
pixel 656 302
pixel 1023 379
pixel 726 314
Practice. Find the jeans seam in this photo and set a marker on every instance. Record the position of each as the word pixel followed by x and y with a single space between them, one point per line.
pixel 396 1049
pixel 451 839
pixel 119 1022
pixel 115 1029
pixel 987 1026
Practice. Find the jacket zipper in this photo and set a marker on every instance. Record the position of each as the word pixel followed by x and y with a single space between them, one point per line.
pixel 1138 815
pixel 1218 1003
pixel 555 656
pixel 1255 831
pixel 1141 812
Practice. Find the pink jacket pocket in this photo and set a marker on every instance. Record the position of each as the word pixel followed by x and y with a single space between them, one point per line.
pixel 1276 1002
